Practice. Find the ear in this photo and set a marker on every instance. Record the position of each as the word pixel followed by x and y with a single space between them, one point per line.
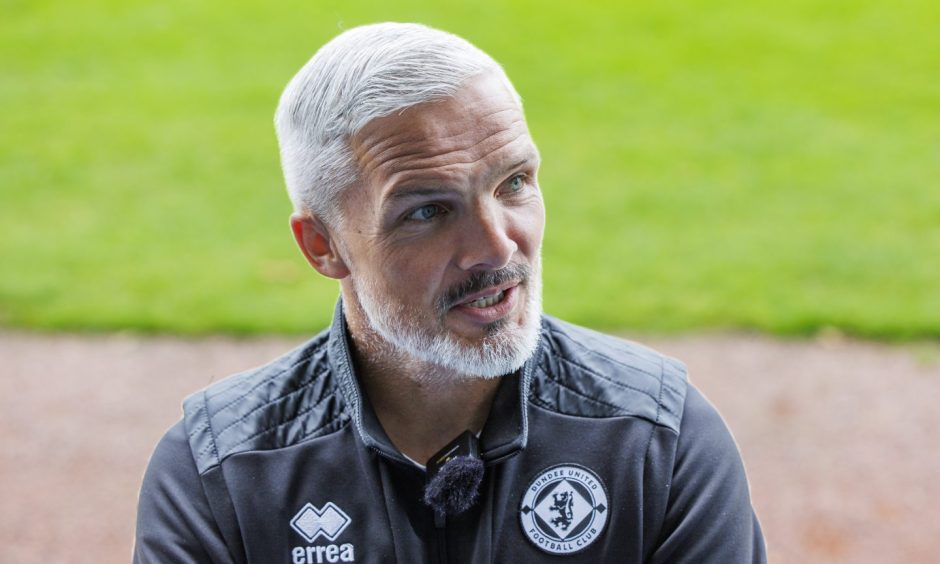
pixel 317 245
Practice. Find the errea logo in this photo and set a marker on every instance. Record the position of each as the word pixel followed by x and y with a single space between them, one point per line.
pixel 327 522
pixel 311 522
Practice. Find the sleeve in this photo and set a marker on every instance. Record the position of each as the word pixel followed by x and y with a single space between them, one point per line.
pixel 174 520
pixel 709 517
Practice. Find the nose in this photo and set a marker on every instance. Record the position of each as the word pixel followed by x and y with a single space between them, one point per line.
pixel 486 241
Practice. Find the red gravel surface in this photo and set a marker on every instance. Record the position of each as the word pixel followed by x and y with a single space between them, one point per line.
pixel 839 437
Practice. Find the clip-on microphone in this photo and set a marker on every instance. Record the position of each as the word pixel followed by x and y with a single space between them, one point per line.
pixel 454 475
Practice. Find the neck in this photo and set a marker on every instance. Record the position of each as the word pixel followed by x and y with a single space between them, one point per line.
pixel 421 406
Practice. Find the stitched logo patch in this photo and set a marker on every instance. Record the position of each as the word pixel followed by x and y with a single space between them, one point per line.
pixel 328 522
pixel 564 509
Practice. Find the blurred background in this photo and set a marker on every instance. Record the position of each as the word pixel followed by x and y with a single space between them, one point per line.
pixel 751 186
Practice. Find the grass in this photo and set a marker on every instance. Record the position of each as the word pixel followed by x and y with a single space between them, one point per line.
pixel 725 164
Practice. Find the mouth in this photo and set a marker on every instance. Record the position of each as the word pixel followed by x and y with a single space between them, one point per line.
pixel 488 297
pixel 487 301
pixel 490 305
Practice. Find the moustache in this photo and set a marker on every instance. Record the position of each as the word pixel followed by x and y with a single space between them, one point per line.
pixel 480 281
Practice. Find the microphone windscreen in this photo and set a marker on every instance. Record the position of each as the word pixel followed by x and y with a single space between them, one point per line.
pixel 456 486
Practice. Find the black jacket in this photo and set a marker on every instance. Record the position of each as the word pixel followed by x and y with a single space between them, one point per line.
pixel 599 450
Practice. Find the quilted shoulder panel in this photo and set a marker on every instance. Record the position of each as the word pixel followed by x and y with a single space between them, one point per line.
pixel 590 374
pixel 287 401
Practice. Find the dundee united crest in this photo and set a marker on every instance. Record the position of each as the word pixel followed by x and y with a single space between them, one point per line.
pixel 564 509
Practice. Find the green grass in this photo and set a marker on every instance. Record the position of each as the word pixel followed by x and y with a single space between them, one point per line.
pixel 726 164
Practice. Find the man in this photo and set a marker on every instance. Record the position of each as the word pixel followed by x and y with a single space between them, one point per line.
pixel 414 180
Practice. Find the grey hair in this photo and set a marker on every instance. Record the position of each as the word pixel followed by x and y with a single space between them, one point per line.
pixel 362 74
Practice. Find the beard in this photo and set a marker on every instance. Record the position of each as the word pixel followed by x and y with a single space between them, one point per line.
pixel 502 350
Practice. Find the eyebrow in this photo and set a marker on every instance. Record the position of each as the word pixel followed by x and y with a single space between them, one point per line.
pixel 417 192
pixel 526 160
pixel 407 193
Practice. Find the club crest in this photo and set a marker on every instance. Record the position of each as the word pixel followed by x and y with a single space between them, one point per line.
pixel 564 509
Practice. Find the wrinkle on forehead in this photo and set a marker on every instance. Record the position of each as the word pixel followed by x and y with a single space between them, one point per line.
pixel 403 150
pixel 419 160
pixel 403 143
pixel 477 122
pixel 451 168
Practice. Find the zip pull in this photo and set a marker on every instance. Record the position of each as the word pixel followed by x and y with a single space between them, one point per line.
pixel 440 519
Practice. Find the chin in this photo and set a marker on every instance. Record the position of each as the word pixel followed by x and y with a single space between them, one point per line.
pixel 501 349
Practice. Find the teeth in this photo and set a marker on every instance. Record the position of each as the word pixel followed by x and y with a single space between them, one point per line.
pixel 487 301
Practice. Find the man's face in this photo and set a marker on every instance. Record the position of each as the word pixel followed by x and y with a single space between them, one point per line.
pixel 443 230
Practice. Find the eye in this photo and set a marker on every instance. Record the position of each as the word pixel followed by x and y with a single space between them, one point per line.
pixel 515 184
pixel 425 213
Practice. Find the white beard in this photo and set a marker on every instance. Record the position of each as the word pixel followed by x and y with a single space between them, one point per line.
pixel 503 351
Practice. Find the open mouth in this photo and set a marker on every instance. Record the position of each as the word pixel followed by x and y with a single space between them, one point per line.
pixel 487 301
pixel 483 291
pixel 489 297
pixel 489 305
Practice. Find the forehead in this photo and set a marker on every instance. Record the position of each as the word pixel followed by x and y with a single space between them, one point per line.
pixel 481 126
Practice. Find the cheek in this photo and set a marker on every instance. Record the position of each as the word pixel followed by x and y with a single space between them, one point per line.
pixel 529 225
pixel 416 268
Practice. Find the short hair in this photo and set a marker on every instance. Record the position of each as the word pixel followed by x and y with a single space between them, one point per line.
pixel 362 74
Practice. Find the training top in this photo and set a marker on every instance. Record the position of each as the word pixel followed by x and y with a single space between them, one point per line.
pixel 597 450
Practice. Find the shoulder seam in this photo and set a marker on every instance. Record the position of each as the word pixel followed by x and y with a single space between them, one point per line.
pixel 649 441
pixel 659 403
pixel 215 451
pixel 662 383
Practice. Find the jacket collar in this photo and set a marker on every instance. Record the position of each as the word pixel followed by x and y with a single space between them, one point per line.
pixel 505 433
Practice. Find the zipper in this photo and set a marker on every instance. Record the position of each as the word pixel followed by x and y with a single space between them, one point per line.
pixel 440 529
